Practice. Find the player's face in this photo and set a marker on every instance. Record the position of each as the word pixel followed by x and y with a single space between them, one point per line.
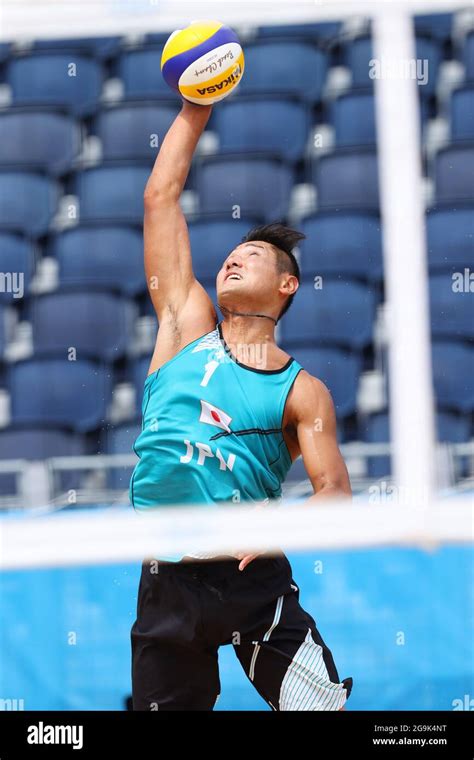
pixel 248 270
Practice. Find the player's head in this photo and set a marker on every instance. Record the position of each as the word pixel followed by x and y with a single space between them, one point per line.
pixel 269 272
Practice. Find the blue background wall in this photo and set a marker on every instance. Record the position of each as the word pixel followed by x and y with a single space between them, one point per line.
pixel 361 602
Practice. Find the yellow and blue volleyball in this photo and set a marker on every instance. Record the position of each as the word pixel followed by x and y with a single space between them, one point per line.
pixel 204 62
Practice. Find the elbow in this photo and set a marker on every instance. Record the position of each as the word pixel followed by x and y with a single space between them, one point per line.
pixel 156 195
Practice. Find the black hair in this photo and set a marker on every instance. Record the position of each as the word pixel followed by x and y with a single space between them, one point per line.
pixel 283 239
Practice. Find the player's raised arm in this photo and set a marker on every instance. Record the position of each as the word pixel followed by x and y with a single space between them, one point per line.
pixel 315 422
pixel 168 264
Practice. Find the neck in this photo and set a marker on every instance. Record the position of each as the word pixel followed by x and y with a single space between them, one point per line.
pixel 247 329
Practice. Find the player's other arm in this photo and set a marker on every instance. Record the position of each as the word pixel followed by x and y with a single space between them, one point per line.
pixel 315 422
pixel 168 265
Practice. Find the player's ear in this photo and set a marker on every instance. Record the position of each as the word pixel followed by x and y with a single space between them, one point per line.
pixel 289 284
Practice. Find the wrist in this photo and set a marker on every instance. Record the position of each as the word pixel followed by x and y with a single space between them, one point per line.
pixel 195 108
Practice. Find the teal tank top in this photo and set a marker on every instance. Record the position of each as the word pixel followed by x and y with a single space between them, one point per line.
pixel 211 430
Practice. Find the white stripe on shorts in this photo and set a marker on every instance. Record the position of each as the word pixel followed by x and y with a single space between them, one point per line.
pixel 276 620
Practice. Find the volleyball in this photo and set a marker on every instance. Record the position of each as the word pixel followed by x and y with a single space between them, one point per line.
pixel 204 62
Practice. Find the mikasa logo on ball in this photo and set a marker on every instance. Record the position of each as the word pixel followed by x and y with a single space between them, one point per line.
pixel 219 85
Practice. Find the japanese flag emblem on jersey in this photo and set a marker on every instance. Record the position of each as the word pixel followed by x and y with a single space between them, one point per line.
pixel 212 415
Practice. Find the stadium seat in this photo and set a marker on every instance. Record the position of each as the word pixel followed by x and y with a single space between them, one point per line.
pixel 453 375
pixel 126 131
pixel 339 371
pixel 36 140
pixel 59 393
pixel 340 313
pixel 5 51
pixel 359 54
pixel 450 236
pixel 52 79
pixel 100 47
pixel 3 330
pixel 140 72
pixel 353 118
pixel 28 201
pixel 17 262
pixel 257 185
pixel 36 445
pixel 111 193
pixel 212 240
pixel 452 306
pixel 97 325
pixel 107 257
pixel 345 244
pixel 320 31
pixel 119 439
pixel 454 170
pixel 469 56
pixel 139 371
pixel 157 38
pixel 451 428
pixel 462 114
pixel 437 25
pixel 283 66
pixel 275 124
pixel 347 179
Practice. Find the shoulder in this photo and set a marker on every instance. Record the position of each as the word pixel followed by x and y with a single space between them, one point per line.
pixel 307 395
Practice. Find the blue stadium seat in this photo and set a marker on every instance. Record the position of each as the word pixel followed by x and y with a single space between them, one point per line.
pixel 36 140
pixel 454 170
pixel 140 72
pixel 450 236
pixel 157 38
pixel 5 51
pixel 274 124
pixel 100 47
pixel 469 56
pixel 52 79
pixel 212 240
pixel 94 324
pixel 347 244
pixel 437 25
pixel 125 131
pixel 462 114
pixel 340 313
pixel 3 330
pixel 359 53
pixel 111 193
pixel 36 445
pixel 107 257
pixel 119 440
pixel 451 428
pixel 347 179
pixel 139 371
pixel 283 66
pixel 59 393
pixel 17 259
pixel 353 118
pixel 453 375
pixel 452 312
pixel 28 201
pixel 259 186
pixel 339 371
pixel 321 31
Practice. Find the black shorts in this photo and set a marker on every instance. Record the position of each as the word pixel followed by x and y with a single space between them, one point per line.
pixel 186 610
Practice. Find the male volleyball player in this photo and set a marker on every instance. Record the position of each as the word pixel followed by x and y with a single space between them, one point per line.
pixel 218 426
